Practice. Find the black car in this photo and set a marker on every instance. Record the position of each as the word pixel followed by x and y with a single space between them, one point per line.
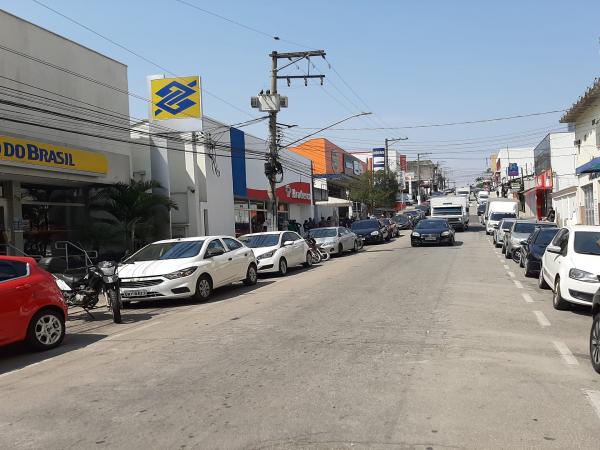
pixel 371 230
pixel 403 222
pixel 432 231
pixel 533 249
pixel 481 209
pixel 425 208
pixel 595 333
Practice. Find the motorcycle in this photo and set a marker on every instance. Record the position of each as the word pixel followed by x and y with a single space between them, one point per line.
pixel 316 250
pixel 84 290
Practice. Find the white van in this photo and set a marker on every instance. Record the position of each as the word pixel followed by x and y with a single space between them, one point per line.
pixel 452 208
pixel 482 197
pixel 465 190
pixel 497 209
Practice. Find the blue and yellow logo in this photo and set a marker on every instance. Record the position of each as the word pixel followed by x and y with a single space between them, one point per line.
pixel 176 98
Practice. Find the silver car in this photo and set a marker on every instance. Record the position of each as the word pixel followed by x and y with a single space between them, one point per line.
pixel 520 231
pixel 503 227
pixel 335 240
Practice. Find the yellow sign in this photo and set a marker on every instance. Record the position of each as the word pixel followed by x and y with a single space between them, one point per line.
pixel 176 98
pixel 25 151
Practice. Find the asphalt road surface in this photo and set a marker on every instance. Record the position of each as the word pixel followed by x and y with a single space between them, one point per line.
pixel 395 347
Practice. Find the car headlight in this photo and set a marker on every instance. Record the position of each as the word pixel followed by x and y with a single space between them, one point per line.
pixel 582 275
pixel 374 233
pixel 415 234
pixel 181 273
pixel 266 255
pixel 445 233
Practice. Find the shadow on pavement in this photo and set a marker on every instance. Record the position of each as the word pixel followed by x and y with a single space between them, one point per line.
pixel 17 356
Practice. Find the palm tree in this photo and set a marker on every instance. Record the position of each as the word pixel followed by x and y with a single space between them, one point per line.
pixel 132 204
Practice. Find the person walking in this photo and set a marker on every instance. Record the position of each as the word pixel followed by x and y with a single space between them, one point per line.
pixel 551 215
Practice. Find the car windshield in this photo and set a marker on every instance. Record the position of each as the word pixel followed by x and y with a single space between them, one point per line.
pixel 167 250
pixel 545 236
pixel 400 219
pixel 587 242
pixel 501 215
pixel 507 224
pixel 447 211
pixel 365 224
pixel 429 224
pixel 323 232
pixel 524 227
pixel 260 240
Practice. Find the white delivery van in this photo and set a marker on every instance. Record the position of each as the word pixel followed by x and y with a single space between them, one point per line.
pixel 482 197
pixel 497 209
pixel 465 190
pixel 451 208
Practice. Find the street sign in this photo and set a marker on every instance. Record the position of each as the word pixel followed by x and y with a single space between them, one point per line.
pixel 513 170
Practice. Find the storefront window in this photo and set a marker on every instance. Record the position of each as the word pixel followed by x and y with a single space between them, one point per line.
pixel 250 217
pixel 588 204
pixel 283 216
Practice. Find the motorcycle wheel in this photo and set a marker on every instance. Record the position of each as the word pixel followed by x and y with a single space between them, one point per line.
pixel 325 256
pixel 316 257
pixel 114 305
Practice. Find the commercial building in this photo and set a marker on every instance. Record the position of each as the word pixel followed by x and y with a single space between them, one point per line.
pixel 585 115
pixel 52 162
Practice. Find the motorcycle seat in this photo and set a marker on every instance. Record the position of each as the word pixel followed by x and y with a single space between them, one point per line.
pixel 71 278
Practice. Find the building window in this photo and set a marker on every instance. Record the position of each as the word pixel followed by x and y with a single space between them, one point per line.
pixel 588 204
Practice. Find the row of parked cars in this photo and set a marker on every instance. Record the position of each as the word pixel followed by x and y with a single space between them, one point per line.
pixel 33 308
pixel 565 260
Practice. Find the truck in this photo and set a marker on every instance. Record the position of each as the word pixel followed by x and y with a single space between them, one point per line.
pixel 465 190
pixel 497 209
pixel 452 208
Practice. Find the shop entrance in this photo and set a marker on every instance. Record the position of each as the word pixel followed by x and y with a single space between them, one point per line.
pixel 4 227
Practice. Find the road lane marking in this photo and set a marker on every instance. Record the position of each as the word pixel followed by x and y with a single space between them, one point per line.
pixel 506 267
pixel 527 297
pixel 511 274
pixel 594 399
pixel 565 353
pixel 541 318
pixel 124 333
pixel 518 284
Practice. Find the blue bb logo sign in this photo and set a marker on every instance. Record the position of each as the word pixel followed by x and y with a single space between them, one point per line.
pixel 176 98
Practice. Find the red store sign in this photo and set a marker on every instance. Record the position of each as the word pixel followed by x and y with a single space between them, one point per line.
pixel 296 192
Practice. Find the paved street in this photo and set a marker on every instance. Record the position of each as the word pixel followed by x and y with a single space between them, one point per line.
pixel 396 347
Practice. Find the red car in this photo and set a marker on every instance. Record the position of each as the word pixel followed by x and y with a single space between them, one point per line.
pixel 32 307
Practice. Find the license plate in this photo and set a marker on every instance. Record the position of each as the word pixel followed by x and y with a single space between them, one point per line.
pixel 137 293
pixel 430 238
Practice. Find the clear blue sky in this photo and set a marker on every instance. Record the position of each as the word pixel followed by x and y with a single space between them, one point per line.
pixel 411 62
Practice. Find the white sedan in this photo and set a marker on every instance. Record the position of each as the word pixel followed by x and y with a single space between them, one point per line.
pixel 187 267
pixel 571 266
pixel 275 251
pixel 335 240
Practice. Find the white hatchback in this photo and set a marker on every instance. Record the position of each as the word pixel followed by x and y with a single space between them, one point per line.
pixel 275 251
pixel 179 268
pixel 571 265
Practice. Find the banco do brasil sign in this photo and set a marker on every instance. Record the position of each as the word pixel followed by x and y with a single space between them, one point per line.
pixel 24 151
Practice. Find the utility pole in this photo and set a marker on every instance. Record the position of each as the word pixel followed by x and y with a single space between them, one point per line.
pixel 271 102
pixel 386 157
pixel 419 175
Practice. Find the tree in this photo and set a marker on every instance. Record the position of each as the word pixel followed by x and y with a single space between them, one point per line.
pixel 375 189
pixel 133 205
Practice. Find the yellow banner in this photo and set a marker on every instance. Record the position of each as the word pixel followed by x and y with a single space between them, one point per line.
pixel 25 151
pixel 176 98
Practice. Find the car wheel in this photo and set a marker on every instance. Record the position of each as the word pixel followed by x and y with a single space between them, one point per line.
pixel 251 276
pixel 309 260
pixel 541 280
pixel 340 249
pixel 283 267
pixel 46 330
pixel 557 301
pixel 507 255
pixel 503 249
pixel 452 242
pixel 527 269
pixel 355 247
pixel 521 259
pixel 595 343
pixel 203 288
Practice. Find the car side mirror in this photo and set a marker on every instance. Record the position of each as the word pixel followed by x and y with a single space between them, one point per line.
pixel 286 243
pixel 553 249
pixel 523 242
pixel 211 252
pixel 339 234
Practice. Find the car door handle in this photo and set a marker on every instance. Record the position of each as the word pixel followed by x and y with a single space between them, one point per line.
pixel 23 286
pixel 229 259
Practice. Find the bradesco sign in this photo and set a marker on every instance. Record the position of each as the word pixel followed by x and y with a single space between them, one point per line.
pixel 22 151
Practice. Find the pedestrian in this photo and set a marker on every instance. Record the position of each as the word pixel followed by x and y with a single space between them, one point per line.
pixel 322 222
pixel 305 226
pixel 551 215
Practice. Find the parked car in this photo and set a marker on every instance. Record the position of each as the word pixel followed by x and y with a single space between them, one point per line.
pixel 432 231
pixel 534 247
pixel 403 222
pixel 32 307
pixel 335 240
pixel 392 227
pixel 276 251
pixel 498 235
pixel 186 267
pixel 371 230
pixel 414 216
pixel 571 265
pixel 595 332
pixel 520 231
pixel 424 207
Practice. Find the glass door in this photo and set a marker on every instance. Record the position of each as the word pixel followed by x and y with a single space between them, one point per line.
pixel 4 227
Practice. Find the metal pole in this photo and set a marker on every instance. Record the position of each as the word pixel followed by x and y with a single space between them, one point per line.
pixel 418 178
pixel 273 151
pixel 385 156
